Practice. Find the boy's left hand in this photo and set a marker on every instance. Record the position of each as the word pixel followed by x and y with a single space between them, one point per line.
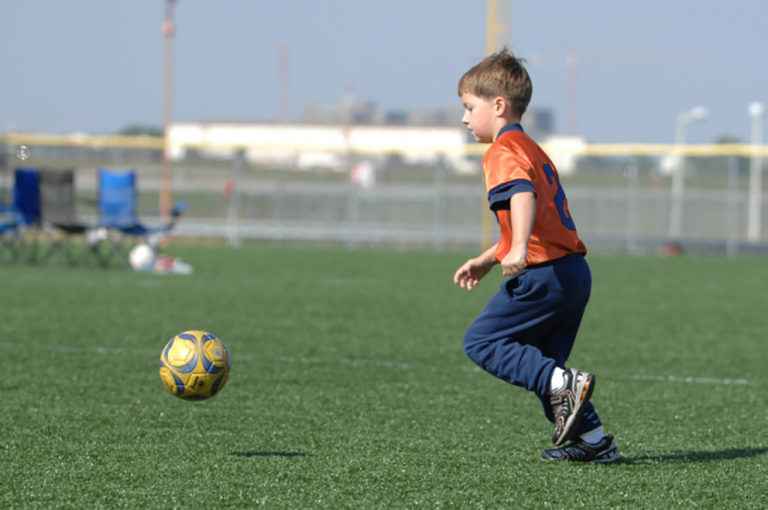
pixel 514 262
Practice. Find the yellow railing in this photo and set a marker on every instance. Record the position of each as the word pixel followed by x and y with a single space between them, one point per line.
pixel 586 149
pixel 83 140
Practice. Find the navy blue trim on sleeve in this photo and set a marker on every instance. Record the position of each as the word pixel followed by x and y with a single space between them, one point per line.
pixel 499 197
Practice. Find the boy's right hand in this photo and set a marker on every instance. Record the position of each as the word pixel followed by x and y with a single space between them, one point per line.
pixel 469 274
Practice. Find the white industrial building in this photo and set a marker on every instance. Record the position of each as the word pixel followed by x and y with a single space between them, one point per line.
pixel 307 146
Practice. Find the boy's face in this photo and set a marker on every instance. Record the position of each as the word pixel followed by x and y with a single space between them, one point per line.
pixel 480 117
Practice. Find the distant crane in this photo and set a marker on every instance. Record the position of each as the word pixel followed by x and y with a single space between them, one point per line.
pixel 573 62
pixel 284 83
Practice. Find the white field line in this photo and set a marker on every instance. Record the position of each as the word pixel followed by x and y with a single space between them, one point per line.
pixel 363 363
pixel 472 368
pixel 695 380
pixel 71 349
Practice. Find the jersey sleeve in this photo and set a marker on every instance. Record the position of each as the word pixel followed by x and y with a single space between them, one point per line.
pixel 506 173
pixel 499 197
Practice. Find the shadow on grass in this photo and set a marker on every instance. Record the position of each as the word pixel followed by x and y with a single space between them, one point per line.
pixel 696 456
pixel 271 454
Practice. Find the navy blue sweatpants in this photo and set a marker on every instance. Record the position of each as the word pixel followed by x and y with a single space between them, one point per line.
pixel 528 328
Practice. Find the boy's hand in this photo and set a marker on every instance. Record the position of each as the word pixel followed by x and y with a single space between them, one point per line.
pixel 469 274
pixel 514 262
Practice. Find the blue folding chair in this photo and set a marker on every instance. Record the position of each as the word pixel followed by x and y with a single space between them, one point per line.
pixel 21 217
pixel 72 240
pixel 118 196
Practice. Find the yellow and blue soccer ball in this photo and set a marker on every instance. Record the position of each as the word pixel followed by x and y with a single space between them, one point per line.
pixel 194 365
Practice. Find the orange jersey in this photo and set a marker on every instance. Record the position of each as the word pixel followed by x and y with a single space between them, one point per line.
pixel 516 163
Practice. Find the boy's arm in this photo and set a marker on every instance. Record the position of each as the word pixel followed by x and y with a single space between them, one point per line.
pixel 469 274
pixel 522 212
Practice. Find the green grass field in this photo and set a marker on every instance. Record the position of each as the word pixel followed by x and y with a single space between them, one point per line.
pixel 349 388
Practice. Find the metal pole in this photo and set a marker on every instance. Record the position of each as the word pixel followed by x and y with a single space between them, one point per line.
pixel 631 173
pixel 5 168
pixel 757 112
pixel 696 114
pixel 496 30
pixel 678 180
pixel 439 203
pixel 572 99
pixel 732 208
pixel 166 177
pixel 233 212
pixel 491 26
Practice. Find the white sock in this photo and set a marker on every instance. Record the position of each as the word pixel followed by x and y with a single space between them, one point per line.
pixel 594 436
pixel 558 381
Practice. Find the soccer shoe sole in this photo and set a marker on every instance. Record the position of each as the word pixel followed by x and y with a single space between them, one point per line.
pixel 584 390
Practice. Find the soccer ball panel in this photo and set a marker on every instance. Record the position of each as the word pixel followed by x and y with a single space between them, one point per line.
pixel 194 365
pixel 170 380
pixel 215 356
pixel 219 382
pixel 181 354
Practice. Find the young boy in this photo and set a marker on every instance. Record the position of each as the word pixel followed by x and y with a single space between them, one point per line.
pixel 526 331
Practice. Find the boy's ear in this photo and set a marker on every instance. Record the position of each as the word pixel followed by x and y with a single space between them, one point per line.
pixel 500 106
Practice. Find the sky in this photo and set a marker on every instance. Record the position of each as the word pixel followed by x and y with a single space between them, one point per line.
pixel 95 66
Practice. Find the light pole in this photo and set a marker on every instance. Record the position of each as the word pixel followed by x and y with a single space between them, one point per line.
pixel 697 114
pixel 496 35
pixel 166 175
pixel 756 111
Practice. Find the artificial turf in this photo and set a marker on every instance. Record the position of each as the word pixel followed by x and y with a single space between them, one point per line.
pixel 349 388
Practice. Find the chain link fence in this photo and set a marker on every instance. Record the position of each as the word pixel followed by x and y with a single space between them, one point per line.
pixel 620 201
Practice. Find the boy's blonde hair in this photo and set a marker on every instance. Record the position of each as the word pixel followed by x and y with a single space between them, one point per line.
pixel 501 74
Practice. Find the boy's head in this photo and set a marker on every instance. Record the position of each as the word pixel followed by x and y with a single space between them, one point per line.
pixel 499 75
